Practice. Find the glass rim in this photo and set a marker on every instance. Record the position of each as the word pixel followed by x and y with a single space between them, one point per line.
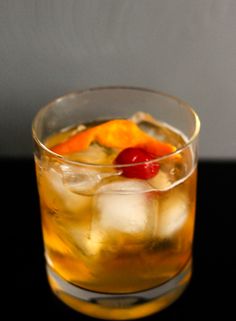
pixel 182 104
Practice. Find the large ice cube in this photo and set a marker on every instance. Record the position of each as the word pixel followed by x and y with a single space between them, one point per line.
pixel 125 206
pixel 173 212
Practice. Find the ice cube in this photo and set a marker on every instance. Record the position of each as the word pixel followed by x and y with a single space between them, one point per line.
pixel 94 154
pixel 149 124
pixel 140 117
pixel 79 180
pixel 173 212
pixel 161 181
pixel 88 243
pixel 84 180
pixel 57 195
pixel 125 206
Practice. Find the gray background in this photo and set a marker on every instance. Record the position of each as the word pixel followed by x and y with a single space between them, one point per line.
pixel 183 47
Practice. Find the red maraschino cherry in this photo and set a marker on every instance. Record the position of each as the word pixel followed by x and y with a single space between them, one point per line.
pixel 137 155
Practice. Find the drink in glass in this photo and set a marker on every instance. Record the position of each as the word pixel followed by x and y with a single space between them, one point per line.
pixel 116 170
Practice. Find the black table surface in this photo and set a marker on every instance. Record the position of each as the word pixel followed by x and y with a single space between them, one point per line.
pixel 24 285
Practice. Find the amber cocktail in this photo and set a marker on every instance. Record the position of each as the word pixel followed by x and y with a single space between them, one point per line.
pixel 116 171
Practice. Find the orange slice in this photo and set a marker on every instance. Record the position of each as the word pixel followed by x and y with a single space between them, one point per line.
pixel 118 133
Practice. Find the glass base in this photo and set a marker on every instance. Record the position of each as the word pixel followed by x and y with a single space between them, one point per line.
pixel 120 306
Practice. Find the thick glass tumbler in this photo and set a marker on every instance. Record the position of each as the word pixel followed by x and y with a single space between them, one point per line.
pixel 116 171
